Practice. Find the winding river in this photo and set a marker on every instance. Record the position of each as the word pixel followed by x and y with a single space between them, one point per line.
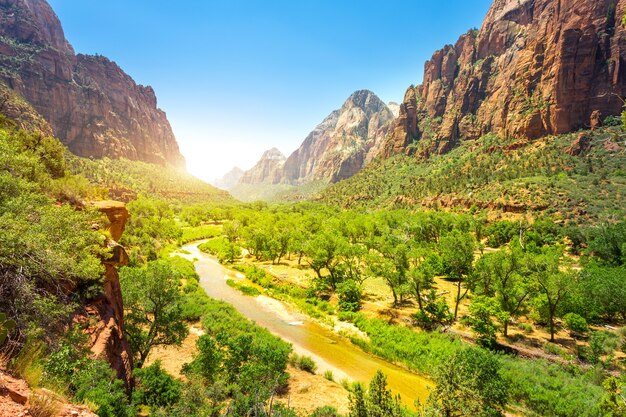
pixel 329 350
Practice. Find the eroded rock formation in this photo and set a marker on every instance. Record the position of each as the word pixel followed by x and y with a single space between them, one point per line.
pixel 93 106
pixel 536 67
pixel 107 334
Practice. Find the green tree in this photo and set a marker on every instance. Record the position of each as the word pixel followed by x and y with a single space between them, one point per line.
pixel 457 251
pixel 421 275
pixel 553 283
pixel 469 384
pixel 483 310
pixel 153 303
pixel 500 275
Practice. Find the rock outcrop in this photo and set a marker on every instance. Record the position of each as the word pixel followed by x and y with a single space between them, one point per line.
pixel 108 341
pixel 346 141
pixel 536 67
pixel 93 106
pixel 16 398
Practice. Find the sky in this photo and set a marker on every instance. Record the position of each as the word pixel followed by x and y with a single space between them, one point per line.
pixel 238 77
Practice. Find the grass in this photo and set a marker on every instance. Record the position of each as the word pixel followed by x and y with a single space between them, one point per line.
pixel 43 403
pixel 243 288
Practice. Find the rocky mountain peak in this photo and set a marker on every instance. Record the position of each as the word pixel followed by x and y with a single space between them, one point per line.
pixel 267 170
pixel 345 141
pixel 535 68
pixel 92 105
pixel 273 155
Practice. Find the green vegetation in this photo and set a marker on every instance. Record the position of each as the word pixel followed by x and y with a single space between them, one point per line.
pixel 306 363
pixel 510 175
pixel 154 308
pixel 510 279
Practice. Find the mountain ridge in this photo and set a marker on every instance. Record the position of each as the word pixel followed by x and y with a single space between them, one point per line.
pixel 536 67
pixel 345 141
pixel 93 106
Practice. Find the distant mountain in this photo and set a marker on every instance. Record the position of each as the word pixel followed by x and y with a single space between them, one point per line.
pixel 230 179
pixel 535 68
pixel 345 141
pixel 92 105
pixel 267 170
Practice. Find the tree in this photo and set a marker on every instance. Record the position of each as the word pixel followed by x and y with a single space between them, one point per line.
pixel 553 283
pixel 380 402
pixel 153 303
pixel 500 275
pixel 421 277
pixel 457 250
pixel 614 403
pixel 324 251
pixel 377 401
pixel 469 384
pixel 391 264
pixel 482 312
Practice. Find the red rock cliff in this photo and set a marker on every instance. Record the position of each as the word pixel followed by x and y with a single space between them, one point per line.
pixel 535 67
pixel 93 107
pixel 107 335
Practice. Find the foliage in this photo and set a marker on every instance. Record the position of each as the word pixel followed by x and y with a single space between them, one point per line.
pixel 469 384
pixel 377 401
pixel 153 302
pixel 225 250
pixel 502 174
pixel 97 384
pixel 350 295
pixel 155 387
pixel 602 343
pixel 576 324
pixel 6 326
pixel 305 363
pixel 481 320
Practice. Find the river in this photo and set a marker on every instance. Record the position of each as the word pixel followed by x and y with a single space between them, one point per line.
pixel 329 350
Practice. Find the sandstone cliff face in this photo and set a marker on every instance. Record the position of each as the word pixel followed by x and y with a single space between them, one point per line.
pixel 107 334
pixel 93 107
pixel 536 67
pixel 347 140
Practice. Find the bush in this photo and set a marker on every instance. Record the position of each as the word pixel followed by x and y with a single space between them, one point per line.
pixel 350 295
pixel 576 324
pixel 328 374
pixel 305 363
pixel 97 384
pixel 325 411
pixel 155 387
pixel 602 343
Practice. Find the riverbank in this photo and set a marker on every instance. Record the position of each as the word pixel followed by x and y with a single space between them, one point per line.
pixel 331 351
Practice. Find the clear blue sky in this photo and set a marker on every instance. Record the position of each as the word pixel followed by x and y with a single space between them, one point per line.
pixel 237 77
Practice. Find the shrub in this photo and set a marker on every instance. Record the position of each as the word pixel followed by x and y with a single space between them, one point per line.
pixel 305 363
pixel 576 324
pixel 97 384
pixel 602 343
pixel 42 403
pixel 526 328
pixel 328 374
pixel 350 295
pixel 155 387
pixel 325 411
